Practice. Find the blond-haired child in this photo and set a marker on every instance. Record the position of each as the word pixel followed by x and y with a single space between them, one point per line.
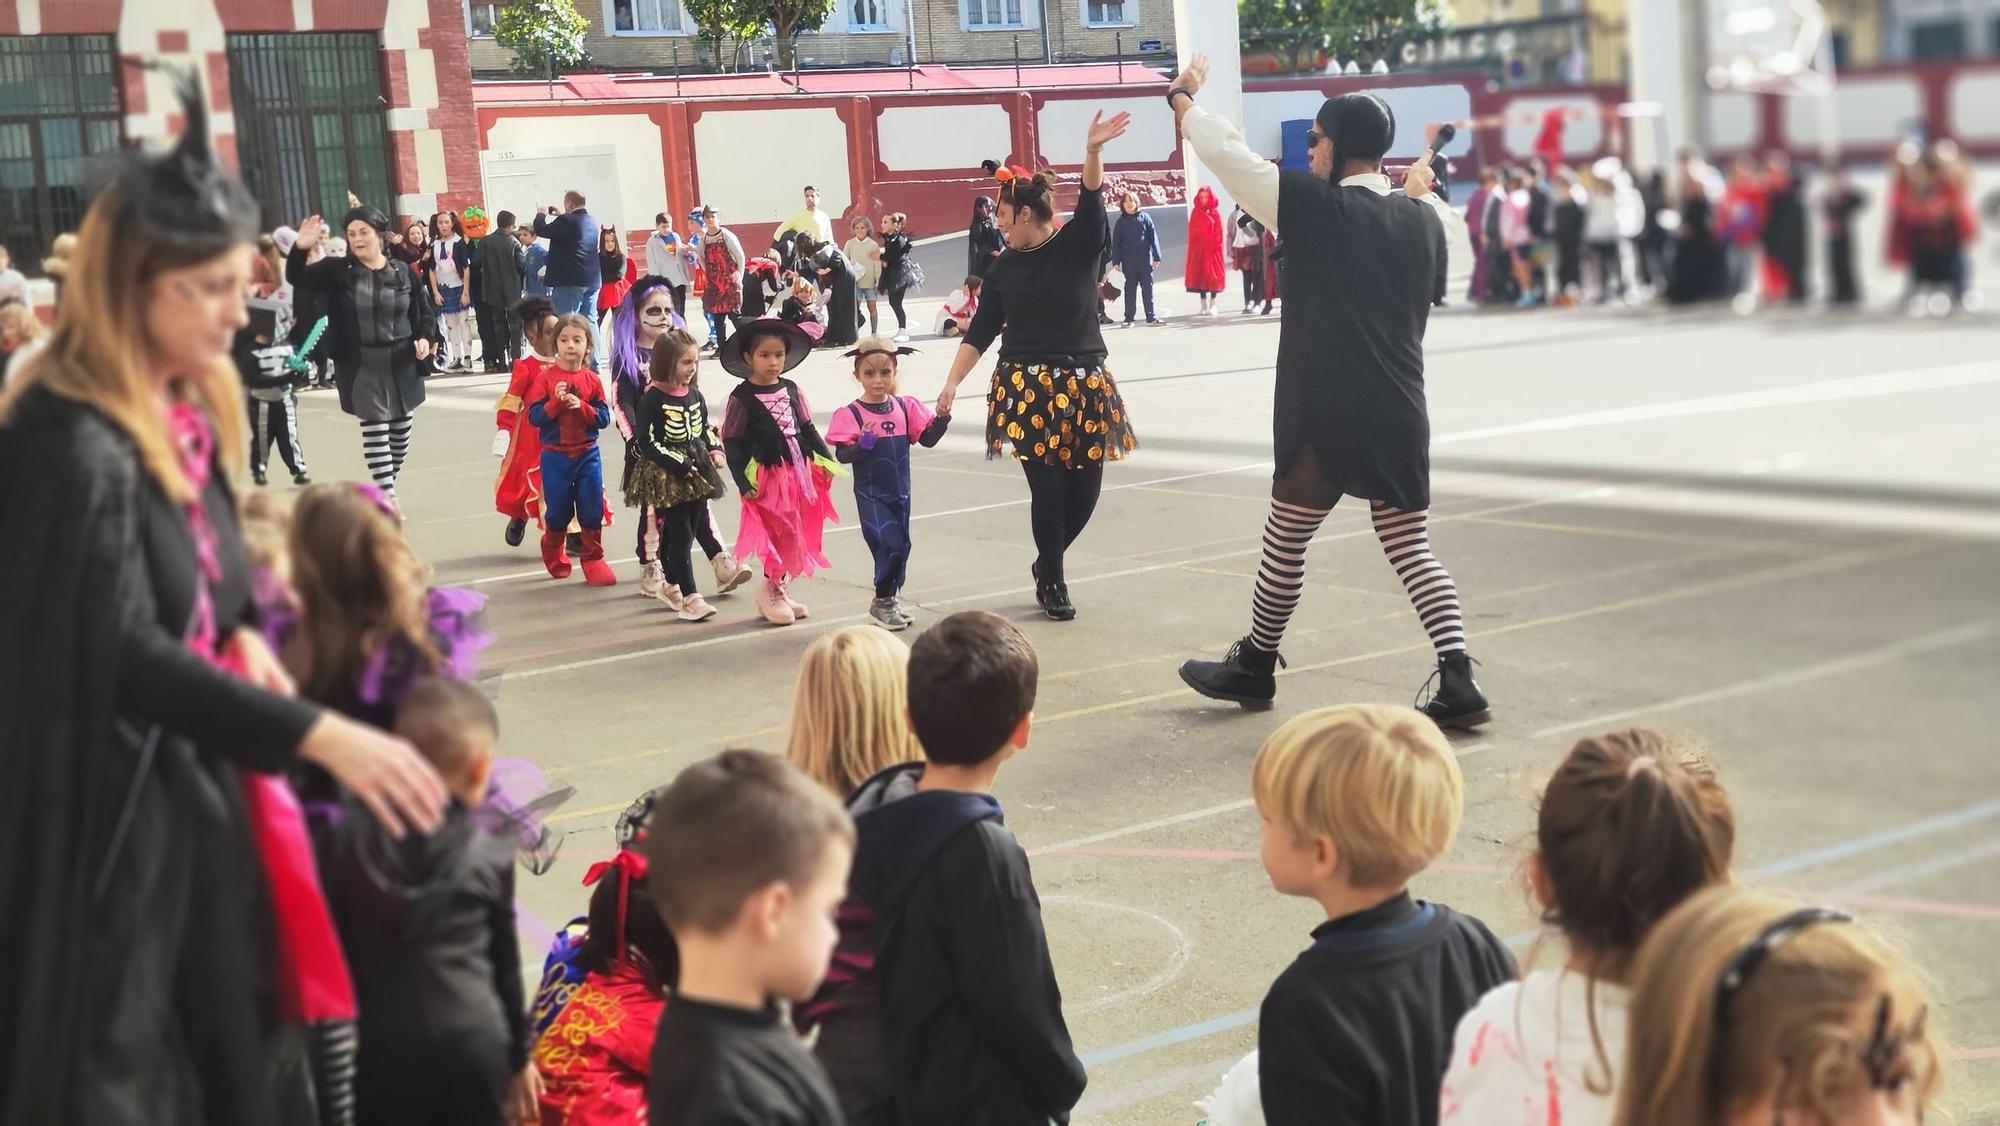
pixel 747 860
pixel 873 434
pixel 1357 800
pixel 849 712
pixel 1758 1010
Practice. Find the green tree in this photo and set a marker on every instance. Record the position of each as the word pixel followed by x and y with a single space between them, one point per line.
pixel 545 36
pixel 721 21
pixel 1368 30
pixel 789 17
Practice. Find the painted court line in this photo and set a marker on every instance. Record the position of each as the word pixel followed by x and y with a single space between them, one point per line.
pixel 1909 873
pixel 1884 655
pixel 1841 850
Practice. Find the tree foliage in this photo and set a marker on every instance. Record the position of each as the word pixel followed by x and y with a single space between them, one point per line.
pixel 1300 33
pixel 544 35
pixel 727 24
pixel 789 17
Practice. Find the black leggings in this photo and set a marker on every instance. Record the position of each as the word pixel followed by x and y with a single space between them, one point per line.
pixel 677 526
pixel 895 297
pixel 1060 502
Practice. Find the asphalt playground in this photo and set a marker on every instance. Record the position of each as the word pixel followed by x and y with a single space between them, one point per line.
pixel 1777 534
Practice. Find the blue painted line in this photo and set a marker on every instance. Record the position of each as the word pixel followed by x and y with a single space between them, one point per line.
pixel 1956 819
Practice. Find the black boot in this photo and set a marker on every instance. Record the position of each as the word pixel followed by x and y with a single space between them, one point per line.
pixel 517 530
pixel 1054 600
pixel 257 476
pixel 1246 675
pixel 1458 701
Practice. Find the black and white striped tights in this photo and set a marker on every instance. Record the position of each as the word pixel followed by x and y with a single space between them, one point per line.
pixel 384 445
pixel 1405 538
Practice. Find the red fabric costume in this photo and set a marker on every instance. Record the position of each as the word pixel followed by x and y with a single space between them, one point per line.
pixel 1206 266
pixel 596 1056
pixel 611 293
pixel 518 491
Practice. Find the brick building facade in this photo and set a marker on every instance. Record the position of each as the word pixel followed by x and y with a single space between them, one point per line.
pixel 312 98
pixel 651 35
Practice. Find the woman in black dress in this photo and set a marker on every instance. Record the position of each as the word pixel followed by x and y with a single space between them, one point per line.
pixel 1053 405
pixel 378 334
pixel 983 241
pixel 137 979
pixel 834 275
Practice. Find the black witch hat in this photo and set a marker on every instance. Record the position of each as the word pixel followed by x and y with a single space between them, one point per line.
pixel 184 200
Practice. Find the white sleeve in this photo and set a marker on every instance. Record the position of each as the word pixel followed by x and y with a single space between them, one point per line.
pixel 1251 179
pixel 1440 208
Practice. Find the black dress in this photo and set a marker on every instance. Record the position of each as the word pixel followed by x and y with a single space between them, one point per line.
pixel 135 987
pixel 842 324
pixel 1696 273
pixel 1360 272
pixel 981 241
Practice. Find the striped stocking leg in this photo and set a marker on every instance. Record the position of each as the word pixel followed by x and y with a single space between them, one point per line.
pixel 1281 574
pixel 1406 541
pixel 375 451
pixel 399 441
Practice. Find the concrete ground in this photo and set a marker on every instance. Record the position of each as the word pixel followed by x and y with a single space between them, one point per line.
pixel 1777 534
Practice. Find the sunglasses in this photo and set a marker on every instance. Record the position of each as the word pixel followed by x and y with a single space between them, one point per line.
pixel 1313 138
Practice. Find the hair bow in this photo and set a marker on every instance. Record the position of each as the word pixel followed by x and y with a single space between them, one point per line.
pixel 378 498
pixel 1005 173
pixel 629 862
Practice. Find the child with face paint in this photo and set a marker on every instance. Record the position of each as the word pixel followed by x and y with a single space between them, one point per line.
pixel 873 434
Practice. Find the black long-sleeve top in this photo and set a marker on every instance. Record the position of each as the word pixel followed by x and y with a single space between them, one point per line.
pixel 335 280
pixel 1358 1028
pixel 749 433
pixel 673 429
pixel 1045 299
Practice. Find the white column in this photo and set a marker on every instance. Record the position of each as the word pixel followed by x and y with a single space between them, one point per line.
pixel 1662 39
pixel 1209 27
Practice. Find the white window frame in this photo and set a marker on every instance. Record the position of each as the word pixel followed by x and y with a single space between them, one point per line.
pixel 1029 22
pixel 889 9
pixel 611 20
pixel 1129 19
pixel 496 5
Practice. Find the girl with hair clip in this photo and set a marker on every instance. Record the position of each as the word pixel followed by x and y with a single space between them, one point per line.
pixel 849 709
pixel 1631 824
pixel 1760 1012
pixel 1053 404
pixel 166 935
pixel 595 1057
pixel 646 315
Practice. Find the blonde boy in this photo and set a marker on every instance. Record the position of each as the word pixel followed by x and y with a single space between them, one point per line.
pixel 748 860
pixel 1355 801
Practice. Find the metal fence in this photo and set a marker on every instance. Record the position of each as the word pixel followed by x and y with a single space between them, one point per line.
pixel 311 124
pixel 59 111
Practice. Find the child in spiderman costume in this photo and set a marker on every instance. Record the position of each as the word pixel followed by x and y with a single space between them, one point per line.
pixel 873 434
pixel 570 413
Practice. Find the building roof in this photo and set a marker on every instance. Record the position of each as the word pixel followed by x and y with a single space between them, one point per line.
pixel 580 88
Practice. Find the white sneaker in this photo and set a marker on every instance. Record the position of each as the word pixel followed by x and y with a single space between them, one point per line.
pixel 652 578
pixel 671 595
pixel 695 608
pixel 729 574
pixel 902 336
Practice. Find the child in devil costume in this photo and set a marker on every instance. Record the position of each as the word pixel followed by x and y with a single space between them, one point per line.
pixel 873 434
pixel 779 461
pixel 517 493
pixel 569 414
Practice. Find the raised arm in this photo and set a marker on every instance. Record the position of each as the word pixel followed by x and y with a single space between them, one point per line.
pixel 1094 140
pixel 1251 179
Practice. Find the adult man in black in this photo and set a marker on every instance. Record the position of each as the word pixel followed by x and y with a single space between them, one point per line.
pixel 495 286
pixel 572 273
pixel 1350 419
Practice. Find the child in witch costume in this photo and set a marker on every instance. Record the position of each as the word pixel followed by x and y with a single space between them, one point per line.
pixel 780 463
pixel 518 491
pixel 569 413
pixel 873 434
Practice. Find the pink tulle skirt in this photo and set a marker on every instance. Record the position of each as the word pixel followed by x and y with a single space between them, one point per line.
pixel 783 527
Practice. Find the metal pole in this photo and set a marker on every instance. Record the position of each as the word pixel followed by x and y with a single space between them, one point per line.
pixel 1046 56
pixel 1118 47
pixel 1017 62
pixel 677 70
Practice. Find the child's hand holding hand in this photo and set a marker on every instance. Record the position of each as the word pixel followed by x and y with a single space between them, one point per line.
pixel 527 1095
pixel 715 458
pixel 867 439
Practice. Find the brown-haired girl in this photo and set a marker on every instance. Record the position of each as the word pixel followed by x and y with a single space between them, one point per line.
pixel 679 455
pixel 1631 824
pixel 1053 404
pixel 1760 1012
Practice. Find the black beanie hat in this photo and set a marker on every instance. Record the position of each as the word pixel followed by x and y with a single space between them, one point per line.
pixel 1361 127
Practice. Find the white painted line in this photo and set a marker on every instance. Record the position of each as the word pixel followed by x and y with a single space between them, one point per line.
pixel 1825 391
pixel 1176 964
pixel 1922 868
pixel 1887 654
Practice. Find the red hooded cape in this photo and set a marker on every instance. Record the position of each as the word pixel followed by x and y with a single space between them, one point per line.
pixel 1207 263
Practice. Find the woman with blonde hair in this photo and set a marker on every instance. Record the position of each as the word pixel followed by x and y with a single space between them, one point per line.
pixel 1756 1011
pixel 147 959
pixel 849 712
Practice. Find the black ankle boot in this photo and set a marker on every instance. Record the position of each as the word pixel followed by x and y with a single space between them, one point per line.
pixel 1246 675
pixel 517 530
pixel 1054 601
pixel 1458 701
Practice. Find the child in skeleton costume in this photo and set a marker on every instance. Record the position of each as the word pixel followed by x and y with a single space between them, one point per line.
pixel 270 371
pixel 1350 417
pixel 873 434
pixel 676 471
pixel 781 464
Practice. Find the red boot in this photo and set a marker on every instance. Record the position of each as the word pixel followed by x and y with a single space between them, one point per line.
pixel 553 555
pixel 596 571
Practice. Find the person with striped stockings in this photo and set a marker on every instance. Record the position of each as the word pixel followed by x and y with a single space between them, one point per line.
pixel 1362 265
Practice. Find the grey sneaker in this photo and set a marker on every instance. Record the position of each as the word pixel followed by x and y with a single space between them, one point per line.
pixel 889 614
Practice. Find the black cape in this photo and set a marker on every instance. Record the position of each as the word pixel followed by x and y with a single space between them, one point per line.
pixel 131 972
pixel 1360 272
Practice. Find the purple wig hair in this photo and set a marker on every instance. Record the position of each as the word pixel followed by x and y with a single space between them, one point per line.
pixel 626 362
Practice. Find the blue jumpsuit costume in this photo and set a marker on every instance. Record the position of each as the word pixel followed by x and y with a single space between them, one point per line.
pixel 875 439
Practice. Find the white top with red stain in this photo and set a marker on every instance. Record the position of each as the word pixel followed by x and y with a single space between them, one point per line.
pixel 1525 1055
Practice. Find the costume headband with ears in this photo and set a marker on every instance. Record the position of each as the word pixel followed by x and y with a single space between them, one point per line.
pixel 1005 173
pixel 858 353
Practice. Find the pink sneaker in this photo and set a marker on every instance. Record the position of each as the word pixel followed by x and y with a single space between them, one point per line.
pixel 671 595
pixel 695 608
pixel 798 608
pixel 772 604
